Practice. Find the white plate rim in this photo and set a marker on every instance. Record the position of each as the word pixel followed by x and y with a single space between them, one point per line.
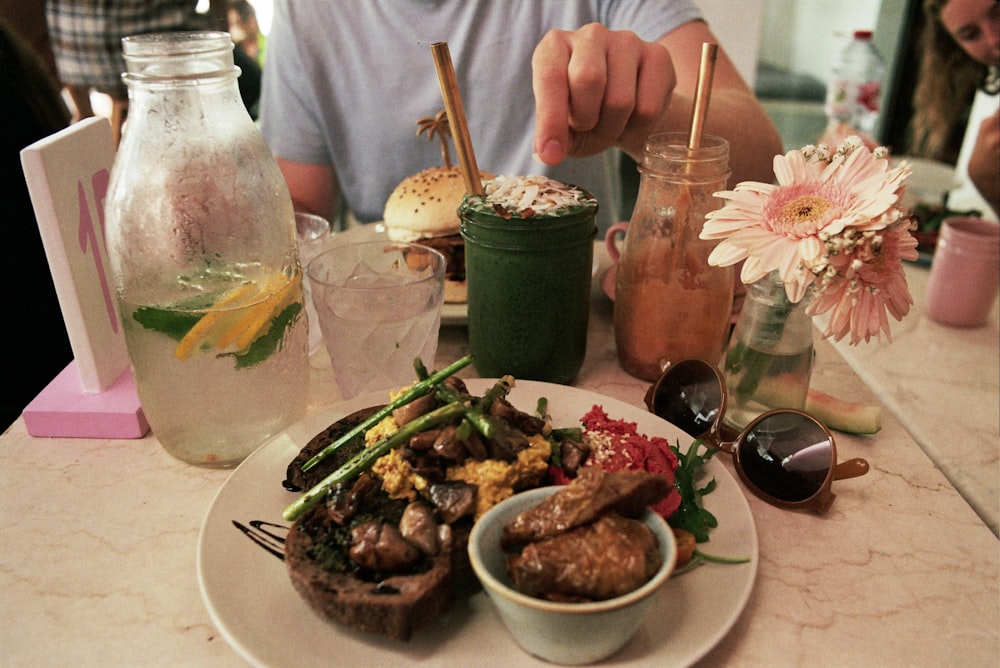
pixel 251 601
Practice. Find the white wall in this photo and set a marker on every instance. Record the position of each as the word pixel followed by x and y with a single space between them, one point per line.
pixel 806 35
pixel 738 30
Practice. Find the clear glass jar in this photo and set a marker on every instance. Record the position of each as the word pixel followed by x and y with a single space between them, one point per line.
pixel 770 355
pixel 669 303
pixel 202 246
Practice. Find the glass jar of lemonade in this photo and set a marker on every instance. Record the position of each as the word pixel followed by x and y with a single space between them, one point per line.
pixel 669 303
pixel 202 246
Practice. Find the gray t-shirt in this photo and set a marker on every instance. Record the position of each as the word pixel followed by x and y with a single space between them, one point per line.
pixel 346 82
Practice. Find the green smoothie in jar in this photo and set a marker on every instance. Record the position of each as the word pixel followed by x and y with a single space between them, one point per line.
pixel 529 245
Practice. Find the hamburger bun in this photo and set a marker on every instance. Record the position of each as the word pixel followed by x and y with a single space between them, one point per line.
pixel 424 209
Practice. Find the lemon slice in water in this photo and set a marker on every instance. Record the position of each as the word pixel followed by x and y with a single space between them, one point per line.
pixel 229 322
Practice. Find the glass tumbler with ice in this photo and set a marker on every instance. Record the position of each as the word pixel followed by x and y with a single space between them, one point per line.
pixel 379 307
pixel 313 233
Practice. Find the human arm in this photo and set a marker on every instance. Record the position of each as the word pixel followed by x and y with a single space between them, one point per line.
pixel 313 187
pixel 984 161
pixel 596 88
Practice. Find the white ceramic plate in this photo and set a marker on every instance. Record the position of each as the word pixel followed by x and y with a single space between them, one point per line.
pixel 930 179
pixel 250 598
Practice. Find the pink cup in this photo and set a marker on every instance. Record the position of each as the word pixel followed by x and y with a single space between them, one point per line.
pixel 611 240
pixel 611 243
pixel 965 272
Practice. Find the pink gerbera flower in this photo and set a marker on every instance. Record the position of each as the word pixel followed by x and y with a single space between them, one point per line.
pixel 838 133
pixel 783 227
pixel 864 282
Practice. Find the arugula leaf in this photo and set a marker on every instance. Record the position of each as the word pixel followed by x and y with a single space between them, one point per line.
pixel 692 515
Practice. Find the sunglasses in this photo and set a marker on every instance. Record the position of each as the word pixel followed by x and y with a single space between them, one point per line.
pixel 785 456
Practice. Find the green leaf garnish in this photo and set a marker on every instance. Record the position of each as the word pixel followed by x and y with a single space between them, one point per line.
pixel 179 318
pixel 264 345
pixel 692 515
pixel 173 324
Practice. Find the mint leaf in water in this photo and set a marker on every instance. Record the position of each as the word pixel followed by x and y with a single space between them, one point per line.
pixel 267 343
pixel 172 323
pixel 175 319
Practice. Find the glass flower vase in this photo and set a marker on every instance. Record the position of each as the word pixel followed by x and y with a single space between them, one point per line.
pixel 769 359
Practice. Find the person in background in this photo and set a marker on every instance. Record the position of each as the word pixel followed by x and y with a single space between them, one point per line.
pixel 27 19
pixel 548 88
pixel 960 61
pixel 245 30
pixel 34 345
pixel 86 40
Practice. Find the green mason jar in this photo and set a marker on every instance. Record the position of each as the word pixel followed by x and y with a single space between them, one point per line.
pixel 529 288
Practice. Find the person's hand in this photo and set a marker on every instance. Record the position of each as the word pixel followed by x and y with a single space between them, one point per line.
pixel 596 88
pixel 984 161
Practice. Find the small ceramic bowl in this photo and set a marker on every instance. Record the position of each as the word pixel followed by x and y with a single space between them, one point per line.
pixel 565 633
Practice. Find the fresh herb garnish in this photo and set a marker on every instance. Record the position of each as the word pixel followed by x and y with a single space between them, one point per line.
pixel 692 515
pixel 179 318
pixel 175 325
pixel 263 346
pixel 213 320
pixel 699 558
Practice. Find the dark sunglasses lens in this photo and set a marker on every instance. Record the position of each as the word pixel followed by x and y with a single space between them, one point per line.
pixel 787 456
pixel 689 396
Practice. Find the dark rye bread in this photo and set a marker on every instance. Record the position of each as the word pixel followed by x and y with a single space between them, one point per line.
pixel 298 480
pixel 395 605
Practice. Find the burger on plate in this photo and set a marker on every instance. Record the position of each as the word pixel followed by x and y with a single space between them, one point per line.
pixel 424 209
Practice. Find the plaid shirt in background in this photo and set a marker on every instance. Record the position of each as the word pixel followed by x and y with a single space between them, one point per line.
pixel 86 35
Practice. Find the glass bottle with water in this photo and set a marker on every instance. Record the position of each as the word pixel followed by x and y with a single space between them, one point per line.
pixel 855 88
pixel 202 246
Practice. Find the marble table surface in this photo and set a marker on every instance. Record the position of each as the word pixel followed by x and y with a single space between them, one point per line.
pixel 99 559
pixel 943 384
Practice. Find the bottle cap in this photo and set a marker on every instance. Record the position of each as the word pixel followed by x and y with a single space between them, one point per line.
pixel 862 34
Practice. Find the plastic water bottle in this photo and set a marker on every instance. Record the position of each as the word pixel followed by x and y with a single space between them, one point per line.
pixel 855 88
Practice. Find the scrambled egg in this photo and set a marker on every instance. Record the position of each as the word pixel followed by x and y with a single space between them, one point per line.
pixel 496 480
pixel 385 428
pixel 398 478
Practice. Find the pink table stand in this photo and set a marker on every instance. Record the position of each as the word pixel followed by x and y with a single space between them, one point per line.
pixel 63 409
pixel 94 397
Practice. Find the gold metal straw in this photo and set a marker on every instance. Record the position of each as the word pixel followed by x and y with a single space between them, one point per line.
pixel 456 117
pixel 703 92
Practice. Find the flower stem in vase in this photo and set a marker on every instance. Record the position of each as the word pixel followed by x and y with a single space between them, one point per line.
pixel 832 232
pixel 769 360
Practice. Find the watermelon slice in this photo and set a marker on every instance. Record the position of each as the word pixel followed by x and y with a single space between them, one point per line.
pixel 850 417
